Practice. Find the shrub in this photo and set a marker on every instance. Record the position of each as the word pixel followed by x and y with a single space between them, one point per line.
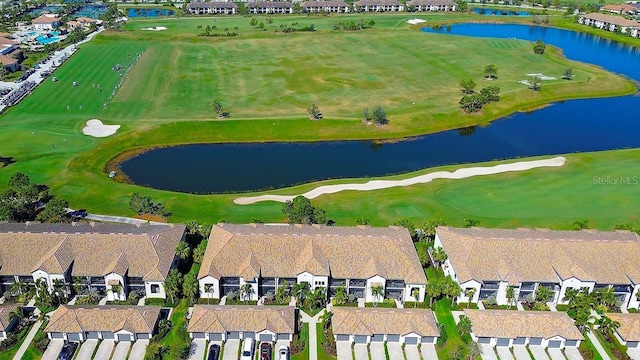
pixel 41 343
pixel 491 301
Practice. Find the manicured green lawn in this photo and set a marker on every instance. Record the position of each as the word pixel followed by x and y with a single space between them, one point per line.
pixel 32 353
pixel 444 316
pixel 8 354
pixel 322 355
pixel 177 337
pixel 304 334
pixel 264 78
pixel 589 345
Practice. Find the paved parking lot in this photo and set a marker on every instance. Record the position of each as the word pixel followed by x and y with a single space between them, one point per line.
pixel 138 349
pixel 86 349
pixel 104 350
pixel 395 350
pixel 521 353
pixel 198 348
pixel 504 353
pixel 538 352
pixel 343 348
pixel 231 349
pixel 122 350
pixel 360 351
pixel 53 350
pixel 487 352
pixel 377 351
pixel 428 352
pixel 556 354
pixel 411 352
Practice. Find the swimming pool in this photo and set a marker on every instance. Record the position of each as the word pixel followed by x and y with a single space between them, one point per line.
pixel 43 39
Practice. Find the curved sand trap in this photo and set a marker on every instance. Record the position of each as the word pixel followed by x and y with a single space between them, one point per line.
pixel 157 28
pixel 416 21
pixel 422 179
pixel 96 128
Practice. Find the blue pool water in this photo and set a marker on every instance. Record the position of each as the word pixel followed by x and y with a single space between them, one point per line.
pixel 143 13
pixel 43 39
pixel 91 11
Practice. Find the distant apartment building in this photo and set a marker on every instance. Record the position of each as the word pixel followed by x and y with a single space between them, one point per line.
pixel 219 8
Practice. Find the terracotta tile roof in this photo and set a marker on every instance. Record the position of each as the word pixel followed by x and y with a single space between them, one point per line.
pixel 44 19
pixel 211 5
pixel 629 329
pixel 5 313
pixel 612 19
pixel 76 318
pixel 309 4
pixel 288 250
pixel 94 249
pixel 86 20
pixel 431 2
pixel 378 3
pixel 225 318
pixel 619 7
pixel 7 60
pixel 369 321
pixel 270 4
pixel 542 255
pixel 512 324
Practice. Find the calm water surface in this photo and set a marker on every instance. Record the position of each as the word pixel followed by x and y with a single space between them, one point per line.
pixel 572 126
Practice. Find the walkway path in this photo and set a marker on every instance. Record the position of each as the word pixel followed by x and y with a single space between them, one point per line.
pixel 597 345
pixel 27 341
pixel 313 334
pixel 422 179
pixel 117 219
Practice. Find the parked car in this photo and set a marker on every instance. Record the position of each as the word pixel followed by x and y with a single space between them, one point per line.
pixel 68 350
pixel 214 352
pixel 283 353
pixel 247 349
pixel 265 351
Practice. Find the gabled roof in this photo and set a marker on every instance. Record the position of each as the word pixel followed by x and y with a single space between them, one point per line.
pixel 431 2
pixel 513 324
pixel 370 321
pixel 220 319
pixel 211 5
pixel 523 255
pixel 147 251
pixel 270 4
pixel 5 314
pixel 378 3
pixel 288 250
pixel 619 7
pixel 76 318
pixel 329 3
pixel 45 19
pixel 612 19
pixel 629 329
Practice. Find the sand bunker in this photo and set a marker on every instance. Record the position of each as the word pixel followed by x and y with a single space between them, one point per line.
pixel 422 179
pixel 157 28
pixel 416 21
pixel 543 76
pixel 96 128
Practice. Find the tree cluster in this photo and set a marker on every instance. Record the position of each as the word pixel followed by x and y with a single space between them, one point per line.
pixel 475 102
pixel 377 115
pixel 300 211
pixel 353 26
pixel 212 31
pixel 582 301
pixel 535 83
pixel 143 205
pixel 442 287
pixel 539 47
pixel 25 201
pixel 294 28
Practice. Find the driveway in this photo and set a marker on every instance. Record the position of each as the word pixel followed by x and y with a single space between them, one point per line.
pixel 360 351
pixel 487 352
pixel 104 350
pixel 633 353
pixel 556 354
pixel 395 350
pixel 53 350
pixel 428 351
pixel 521 353
pixel 231 349
pixel 572 353
pixel 343 348
pixel 198 348
pixel 538 352
pixel 504 353
pixel 376 349
pixel 411 352
pixel 122 350
pixel 138 349
pixel 86 349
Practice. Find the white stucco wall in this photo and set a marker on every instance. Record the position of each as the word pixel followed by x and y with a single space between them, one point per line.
pixel 159 295
pixel 119 295
pixel 214 292
pixel 254 289
pixel 468 285
pixel 369 292
pixel 407 292
pixel 573 283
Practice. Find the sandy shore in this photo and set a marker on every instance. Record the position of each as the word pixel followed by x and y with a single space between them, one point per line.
pixel 422 179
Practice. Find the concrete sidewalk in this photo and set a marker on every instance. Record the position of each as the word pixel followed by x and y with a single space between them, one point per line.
pixel 27 341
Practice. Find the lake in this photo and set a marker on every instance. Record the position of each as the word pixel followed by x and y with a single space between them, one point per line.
pixel 565 127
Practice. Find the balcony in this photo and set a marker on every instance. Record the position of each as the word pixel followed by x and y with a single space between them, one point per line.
pixel 268 281
pixel 527 286
pixel 135 281
pixel 289 281
pixel 230 280
pixel 357 283
pixel 490 285
pixel 337 282
pixel 395 284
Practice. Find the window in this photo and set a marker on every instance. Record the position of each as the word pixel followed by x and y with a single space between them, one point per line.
pixel 155 288
pixel 319 283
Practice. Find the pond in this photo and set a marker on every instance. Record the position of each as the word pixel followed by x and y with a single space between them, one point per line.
pixel 565 127
pixel 145 13
pixel 500 12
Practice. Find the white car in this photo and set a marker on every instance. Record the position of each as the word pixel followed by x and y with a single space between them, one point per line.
pixel 283 353
pixel 247 349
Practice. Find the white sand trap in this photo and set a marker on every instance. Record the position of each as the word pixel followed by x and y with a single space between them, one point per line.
pixel 543 76
pixel 96 128
pixel 157 28
pixel 422 179
pixel 525 82
pixel 416 21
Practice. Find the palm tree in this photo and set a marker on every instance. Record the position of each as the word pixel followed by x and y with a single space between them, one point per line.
pixel 608 297
pixel 608 326
pixel 451 288
pixel 474 350
pixel 18 313
pixel 18 287
pixel 246 290
pixel 463 326
pixel 433 290
pixel 377 291
pixel 318 298
pixel 570 295
pixel 183 251
pixel 438 255
pixel 415 293
pixel 300 291
pixel 543 294
pixel 511 296
pixel 469 293
pixel 208 288
pixel 326 319
pixel 340 298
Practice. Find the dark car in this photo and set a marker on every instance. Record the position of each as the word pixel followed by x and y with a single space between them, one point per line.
pixel 265 351
pixel 68 350
pixel 214 352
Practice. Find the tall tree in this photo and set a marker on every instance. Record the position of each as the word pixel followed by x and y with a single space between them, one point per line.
pixel 511 296
pixel 198 253
pixel 377 292
pixel 434 290
pixel 173 284
pixel 438 255
pixel 183 250
pixel 380 116
pixel 300 211
pixel 55 211
pixel 539 47
pixel 245 291
pixel 463 327
pixel 190 287
pixel 468 86
pixel 491 71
